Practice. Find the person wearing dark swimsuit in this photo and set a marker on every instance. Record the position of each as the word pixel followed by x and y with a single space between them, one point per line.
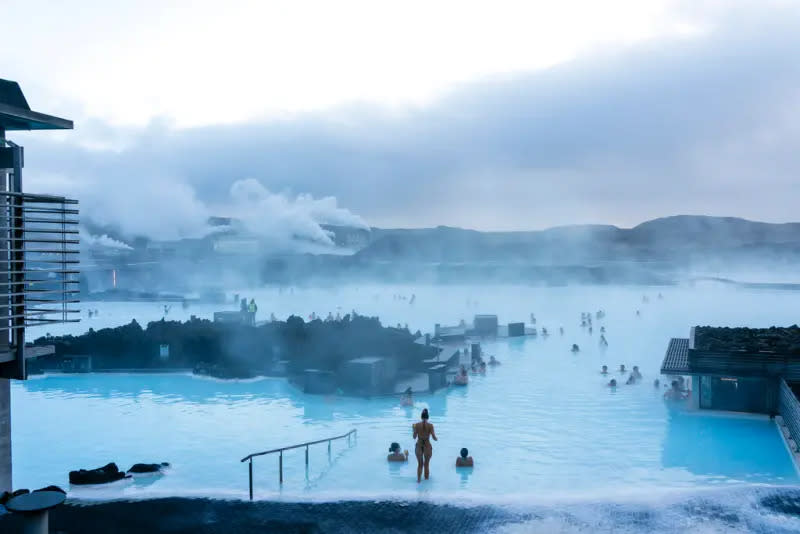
pixel 423 432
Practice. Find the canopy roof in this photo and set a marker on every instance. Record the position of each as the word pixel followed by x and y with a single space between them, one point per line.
pixel 16 114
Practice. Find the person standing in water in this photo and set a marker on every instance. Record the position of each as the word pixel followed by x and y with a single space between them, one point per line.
pixel 423 432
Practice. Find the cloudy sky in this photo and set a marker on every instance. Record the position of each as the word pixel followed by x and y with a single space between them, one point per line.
pixel 491 115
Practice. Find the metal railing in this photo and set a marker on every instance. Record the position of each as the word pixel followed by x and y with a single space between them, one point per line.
pixel 38 259
pixel 789 409
pixel 249 457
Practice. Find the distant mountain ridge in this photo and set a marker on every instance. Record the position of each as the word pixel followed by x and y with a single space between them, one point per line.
pixel 654 240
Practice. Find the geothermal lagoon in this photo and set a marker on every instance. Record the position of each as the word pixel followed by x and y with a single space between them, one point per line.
pixel 543 426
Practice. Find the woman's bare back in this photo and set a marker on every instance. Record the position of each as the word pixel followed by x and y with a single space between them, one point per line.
pixel 423 430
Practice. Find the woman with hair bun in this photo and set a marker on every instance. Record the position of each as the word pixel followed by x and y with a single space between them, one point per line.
pixel 423 432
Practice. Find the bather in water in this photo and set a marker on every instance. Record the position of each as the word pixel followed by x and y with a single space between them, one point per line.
pixel 636 374
pixel 675 392
pixel 407 399
pixel 464 460
pixel 395 455
pixel 423 432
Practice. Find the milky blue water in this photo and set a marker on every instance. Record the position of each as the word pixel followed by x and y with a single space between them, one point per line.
pixel 542 426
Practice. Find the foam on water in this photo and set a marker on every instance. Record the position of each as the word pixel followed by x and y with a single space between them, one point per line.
pixel 542 427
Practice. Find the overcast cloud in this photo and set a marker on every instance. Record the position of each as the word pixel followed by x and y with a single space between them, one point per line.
pixel 704 123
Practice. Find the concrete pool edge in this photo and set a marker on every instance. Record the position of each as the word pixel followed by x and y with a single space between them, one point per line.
pixel 768 508
pixel 643 494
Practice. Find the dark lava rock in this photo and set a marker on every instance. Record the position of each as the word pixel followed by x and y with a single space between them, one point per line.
pixel 101 475
pixel 147 468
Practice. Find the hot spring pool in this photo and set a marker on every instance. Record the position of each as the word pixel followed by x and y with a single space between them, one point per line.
pixel 542 424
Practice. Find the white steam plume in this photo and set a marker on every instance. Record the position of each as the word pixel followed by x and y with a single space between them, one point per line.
pixel 89 240
pixel 280 217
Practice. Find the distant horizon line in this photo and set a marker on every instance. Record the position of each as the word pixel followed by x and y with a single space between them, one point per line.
pixel 575 225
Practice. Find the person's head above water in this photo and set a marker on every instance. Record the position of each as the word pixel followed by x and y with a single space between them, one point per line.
pixel 636 368
pixel 424 414
pixel 613 382
pixel 622 367
pixel 464 452
pixel 605 368
pixel 394 447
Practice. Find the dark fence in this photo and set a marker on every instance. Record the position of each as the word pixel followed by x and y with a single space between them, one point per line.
pixel 38 260
pixel 789 408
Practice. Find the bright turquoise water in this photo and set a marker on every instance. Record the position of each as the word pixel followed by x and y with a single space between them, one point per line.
pixel 541 426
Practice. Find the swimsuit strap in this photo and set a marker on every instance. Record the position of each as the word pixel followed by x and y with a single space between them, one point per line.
pixel 421 439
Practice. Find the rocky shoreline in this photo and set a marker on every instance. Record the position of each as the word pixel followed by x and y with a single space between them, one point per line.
pixel 239 351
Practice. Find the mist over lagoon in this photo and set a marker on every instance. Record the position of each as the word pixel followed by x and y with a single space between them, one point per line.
pixel 537 422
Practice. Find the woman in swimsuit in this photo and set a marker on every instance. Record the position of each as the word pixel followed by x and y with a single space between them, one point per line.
pixel 423 432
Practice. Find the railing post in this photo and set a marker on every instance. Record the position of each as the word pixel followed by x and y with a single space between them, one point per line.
pixel 250 469
pixel 351 438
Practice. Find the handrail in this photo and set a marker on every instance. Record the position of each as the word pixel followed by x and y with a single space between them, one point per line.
pixel 307 444
pixel 249 456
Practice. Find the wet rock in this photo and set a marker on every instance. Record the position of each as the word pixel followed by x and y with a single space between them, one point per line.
pixel 101 475
pixel 148 468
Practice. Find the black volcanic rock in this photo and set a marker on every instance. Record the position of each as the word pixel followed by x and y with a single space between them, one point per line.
pixel 238 351
pixel 101 475
pixel 147 468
